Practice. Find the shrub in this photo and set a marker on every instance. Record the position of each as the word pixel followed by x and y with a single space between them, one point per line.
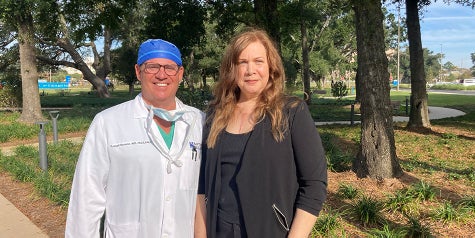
pixel 326 225
pixel 417 229
pixel 9 97
pixel 447 213
pixel 422 191
pixel 367 210
pixel 347 191
pixel 387 232
pixel 401 201
pixel 468 202
pixel 339 89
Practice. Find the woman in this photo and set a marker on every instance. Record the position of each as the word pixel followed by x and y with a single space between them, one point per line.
pixel 263 170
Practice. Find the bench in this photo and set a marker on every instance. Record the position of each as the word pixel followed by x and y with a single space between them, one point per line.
pixel 320 91
pixel 395 106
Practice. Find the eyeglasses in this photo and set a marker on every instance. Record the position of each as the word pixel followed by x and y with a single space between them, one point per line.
pixel 170 69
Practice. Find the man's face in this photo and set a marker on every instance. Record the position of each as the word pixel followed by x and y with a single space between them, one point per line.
pixel 160 79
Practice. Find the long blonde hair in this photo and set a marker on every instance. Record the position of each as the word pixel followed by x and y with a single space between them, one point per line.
pixel 226 93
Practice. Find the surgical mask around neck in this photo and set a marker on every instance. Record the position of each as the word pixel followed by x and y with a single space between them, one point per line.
pixel 172 115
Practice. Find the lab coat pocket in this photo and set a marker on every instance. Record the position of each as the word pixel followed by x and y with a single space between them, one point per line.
pixel 129 230
pixel 280 216
pixel 190 170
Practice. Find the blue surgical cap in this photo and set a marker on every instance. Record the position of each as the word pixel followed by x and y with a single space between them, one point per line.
pixel 157 48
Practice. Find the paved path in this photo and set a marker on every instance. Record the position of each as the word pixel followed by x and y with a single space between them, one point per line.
pixel 434 113
pixel 16 225
pixel 13 223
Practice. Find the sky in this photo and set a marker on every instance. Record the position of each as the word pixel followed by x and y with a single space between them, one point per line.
pixel 450 30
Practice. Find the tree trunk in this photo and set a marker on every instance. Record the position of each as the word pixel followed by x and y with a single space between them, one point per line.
pixel 268 18
pixel 305 61
pixel 31 108
pixel 131 90
pixel 103 68
pixel 97 82
pixel 377 154
pixel 419 115
pixel 65 43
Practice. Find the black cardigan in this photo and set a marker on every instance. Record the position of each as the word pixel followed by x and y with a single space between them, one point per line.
pixel 275 178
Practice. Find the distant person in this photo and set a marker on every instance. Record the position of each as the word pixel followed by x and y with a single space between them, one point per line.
pixel 264 170
pixel 107 81
pixel 140 160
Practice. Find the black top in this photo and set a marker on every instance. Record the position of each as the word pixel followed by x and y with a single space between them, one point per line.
pixel 275 177
pixel 232 148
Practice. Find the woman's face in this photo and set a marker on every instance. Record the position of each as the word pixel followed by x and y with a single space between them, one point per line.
pixel 253 71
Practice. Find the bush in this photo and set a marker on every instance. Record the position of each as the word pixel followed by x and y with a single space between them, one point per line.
pixel 195 97
pixel 9 97
pixel 339 89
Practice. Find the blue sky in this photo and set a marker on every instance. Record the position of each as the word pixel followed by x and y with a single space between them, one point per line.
pixel 449 29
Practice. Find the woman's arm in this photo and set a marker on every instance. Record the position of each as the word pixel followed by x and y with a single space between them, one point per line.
pixel 200 217
pixel 302 224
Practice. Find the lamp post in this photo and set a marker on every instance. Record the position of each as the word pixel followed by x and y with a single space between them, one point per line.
pixel 42 146
pixel 54 115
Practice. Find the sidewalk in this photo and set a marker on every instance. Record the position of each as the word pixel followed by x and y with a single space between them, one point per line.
pixel 434 113
pixel 13 223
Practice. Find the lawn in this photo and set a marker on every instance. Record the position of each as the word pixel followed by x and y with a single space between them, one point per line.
pixel 434 197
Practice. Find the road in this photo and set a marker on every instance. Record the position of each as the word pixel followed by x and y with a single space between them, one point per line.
pixel 458 92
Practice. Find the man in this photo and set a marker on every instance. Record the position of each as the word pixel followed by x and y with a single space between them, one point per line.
pixel 140 160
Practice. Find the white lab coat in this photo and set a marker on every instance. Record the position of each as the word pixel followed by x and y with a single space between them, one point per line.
pixel 122 172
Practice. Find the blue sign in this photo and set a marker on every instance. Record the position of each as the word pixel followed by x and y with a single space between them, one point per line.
pixel 53 85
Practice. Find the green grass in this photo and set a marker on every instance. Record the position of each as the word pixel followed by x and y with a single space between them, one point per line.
pixel 446 154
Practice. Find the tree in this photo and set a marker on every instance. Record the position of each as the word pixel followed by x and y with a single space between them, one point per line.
pixel 419 114
pixel 318 40
pixel 377 154
pixel 267 17
pixel 176 17
pixel 472 55
pixel 20 15
pixel 69 29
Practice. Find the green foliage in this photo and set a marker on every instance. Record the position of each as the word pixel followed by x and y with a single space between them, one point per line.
pixel 422 191
pixel 9 98
pixel 347 191
pixel 198 98
pixel 402 201
pixel 56 182
pixel 175 23
pixel 337 159
pixel 447 213
pixel 468 203
pixel 327 225
pixel 367 210
pixel 123 59
pixel 416 229
pixel 339 89
pixel 387 232
pixel 17 130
